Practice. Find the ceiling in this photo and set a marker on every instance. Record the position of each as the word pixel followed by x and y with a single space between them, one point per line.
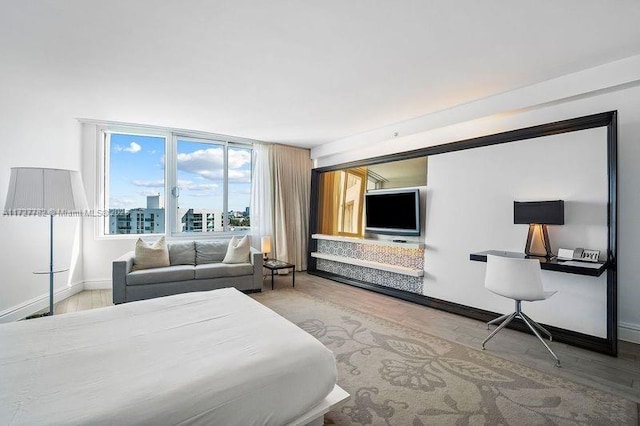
pixel 300 72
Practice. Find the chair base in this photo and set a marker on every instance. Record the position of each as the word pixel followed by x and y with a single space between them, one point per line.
pixel 504 320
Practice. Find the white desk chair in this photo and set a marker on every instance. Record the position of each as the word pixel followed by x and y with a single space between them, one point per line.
pixel 517 279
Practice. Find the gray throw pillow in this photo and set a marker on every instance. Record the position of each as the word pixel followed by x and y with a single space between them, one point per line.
pixel 182 253
pixel 210 251
pixel 148 256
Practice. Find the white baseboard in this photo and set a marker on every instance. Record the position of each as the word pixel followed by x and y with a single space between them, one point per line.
pixel 97 285
pixel 629 332
pixel 39 303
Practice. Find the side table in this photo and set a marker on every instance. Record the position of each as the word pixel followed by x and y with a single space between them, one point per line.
pixel 51 272
pixel 274 265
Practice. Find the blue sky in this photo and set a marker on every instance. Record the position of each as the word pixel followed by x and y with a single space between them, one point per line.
pixel 137 170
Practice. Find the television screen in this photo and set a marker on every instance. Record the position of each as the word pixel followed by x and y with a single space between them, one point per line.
pixel 393 212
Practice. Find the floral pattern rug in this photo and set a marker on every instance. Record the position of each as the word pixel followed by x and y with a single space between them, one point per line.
pixel 400 376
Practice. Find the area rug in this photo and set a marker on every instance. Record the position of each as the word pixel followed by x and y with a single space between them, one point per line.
pixel 400 376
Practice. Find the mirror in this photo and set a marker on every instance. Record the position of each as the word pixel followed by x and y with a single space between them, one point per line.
pixel 341 192
pixel 397 174
pixel 586 211
pixel 341 202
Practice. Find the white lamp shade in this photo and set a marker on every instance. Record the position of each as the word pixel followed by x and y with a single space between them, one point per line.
pixel 40 188
pixel 265 244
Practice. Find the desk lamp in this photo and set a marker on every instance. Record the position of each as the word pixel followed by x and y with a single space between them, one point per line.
pixel 538 214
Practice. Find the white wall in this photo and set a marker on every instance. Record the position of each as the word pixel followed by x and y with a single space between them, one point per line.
pixel 35 130
pixel 619 90
pixel 470 209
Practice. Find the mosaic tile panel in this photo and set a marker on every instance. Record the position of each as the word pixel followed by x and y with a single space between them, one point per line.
pixel 374 276
pixel 407 257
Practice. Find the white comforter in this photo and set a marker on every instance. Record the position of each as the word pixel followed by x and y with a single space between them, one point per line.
pixel 210 358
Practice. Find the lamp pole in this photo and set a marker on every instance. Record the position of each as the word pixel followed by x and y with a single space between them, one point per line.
pixel 51 265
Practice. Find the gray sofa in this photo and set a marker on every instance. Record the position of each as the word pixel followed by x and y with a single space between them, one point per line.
pixel 195 266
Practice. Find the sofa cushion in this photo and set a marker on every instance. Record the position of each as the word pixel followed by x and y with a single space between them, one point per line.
pixel 210 251
pixel 237 250
pixel 219 270
pixel 153 255
pixel 161 275
pixel 182 253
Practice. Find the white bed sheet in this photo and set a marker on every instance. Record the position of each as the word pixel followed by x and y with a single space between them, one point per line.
pixel 208 358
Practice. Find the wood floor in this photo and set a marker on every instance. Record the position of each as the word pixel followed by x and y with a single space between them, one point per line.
pixel 619 375
pixel 88 299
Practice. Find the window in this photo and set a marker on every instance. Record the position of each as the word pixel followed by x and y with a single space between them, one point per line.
pixel 239 179
pixel 173 184
pixel 212 178
pixel 134 183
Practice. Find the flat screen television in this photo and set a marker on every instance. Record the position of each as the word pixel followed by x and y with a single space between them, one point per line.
pixel 393 212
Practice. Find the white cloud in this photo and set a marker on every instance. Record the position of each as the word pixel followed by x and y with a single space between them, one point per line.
pixel 243 191
pixel 208 163
pixel 239 176
pixel 132 148
pixel 148 193
pixel 239 158
pixel 190 186
pixel 201 161
pixel 149 183
pixel 216 175
pixel 202 194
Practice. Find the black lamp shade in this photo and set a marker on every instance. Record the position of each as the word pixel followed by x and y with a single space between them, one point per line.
pixel 540 212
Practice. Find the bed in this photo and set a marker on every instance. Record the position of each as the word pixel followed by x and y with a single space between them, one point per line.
pixel 206 358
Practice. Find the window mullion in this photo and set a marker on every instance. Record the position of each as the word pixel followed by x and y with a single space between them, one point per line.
pixel 104 192
pixel 171 172
pixel 225 189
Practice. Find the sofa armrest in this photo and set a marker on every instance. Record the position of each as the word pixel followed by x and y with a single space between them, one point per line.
pixel 121 267
pixel 256 261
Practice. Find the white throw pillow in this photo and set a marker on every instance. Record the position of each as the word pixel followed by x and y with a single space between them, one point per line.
pixel 149 256
pixel 238 251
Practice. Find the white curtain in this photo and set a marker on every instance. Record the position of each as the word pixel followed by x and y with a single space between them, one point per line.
pixel 280 199
pixel 261 207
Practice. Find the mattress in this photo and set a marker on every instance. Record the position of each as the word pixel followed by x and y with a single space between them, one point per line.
pixel 207 358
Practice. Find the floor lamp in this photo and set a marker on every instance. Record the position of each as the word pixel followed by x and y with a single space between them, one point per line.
pixel 45 192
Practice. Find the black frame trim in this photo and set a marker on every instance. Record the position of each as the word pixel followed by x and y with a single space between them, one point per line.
pixel 608 345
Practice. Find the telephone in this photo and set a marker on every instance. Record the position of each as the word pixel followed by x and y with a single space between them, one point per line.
pixel 587 255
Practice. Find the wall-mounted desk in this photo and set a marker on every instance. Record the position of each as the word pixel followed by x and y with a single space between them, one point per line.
pixel 606 345
pixel 568 266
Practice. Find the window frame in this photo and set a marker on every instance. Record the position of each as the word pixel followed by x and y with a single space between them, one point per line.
pixel 171 137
